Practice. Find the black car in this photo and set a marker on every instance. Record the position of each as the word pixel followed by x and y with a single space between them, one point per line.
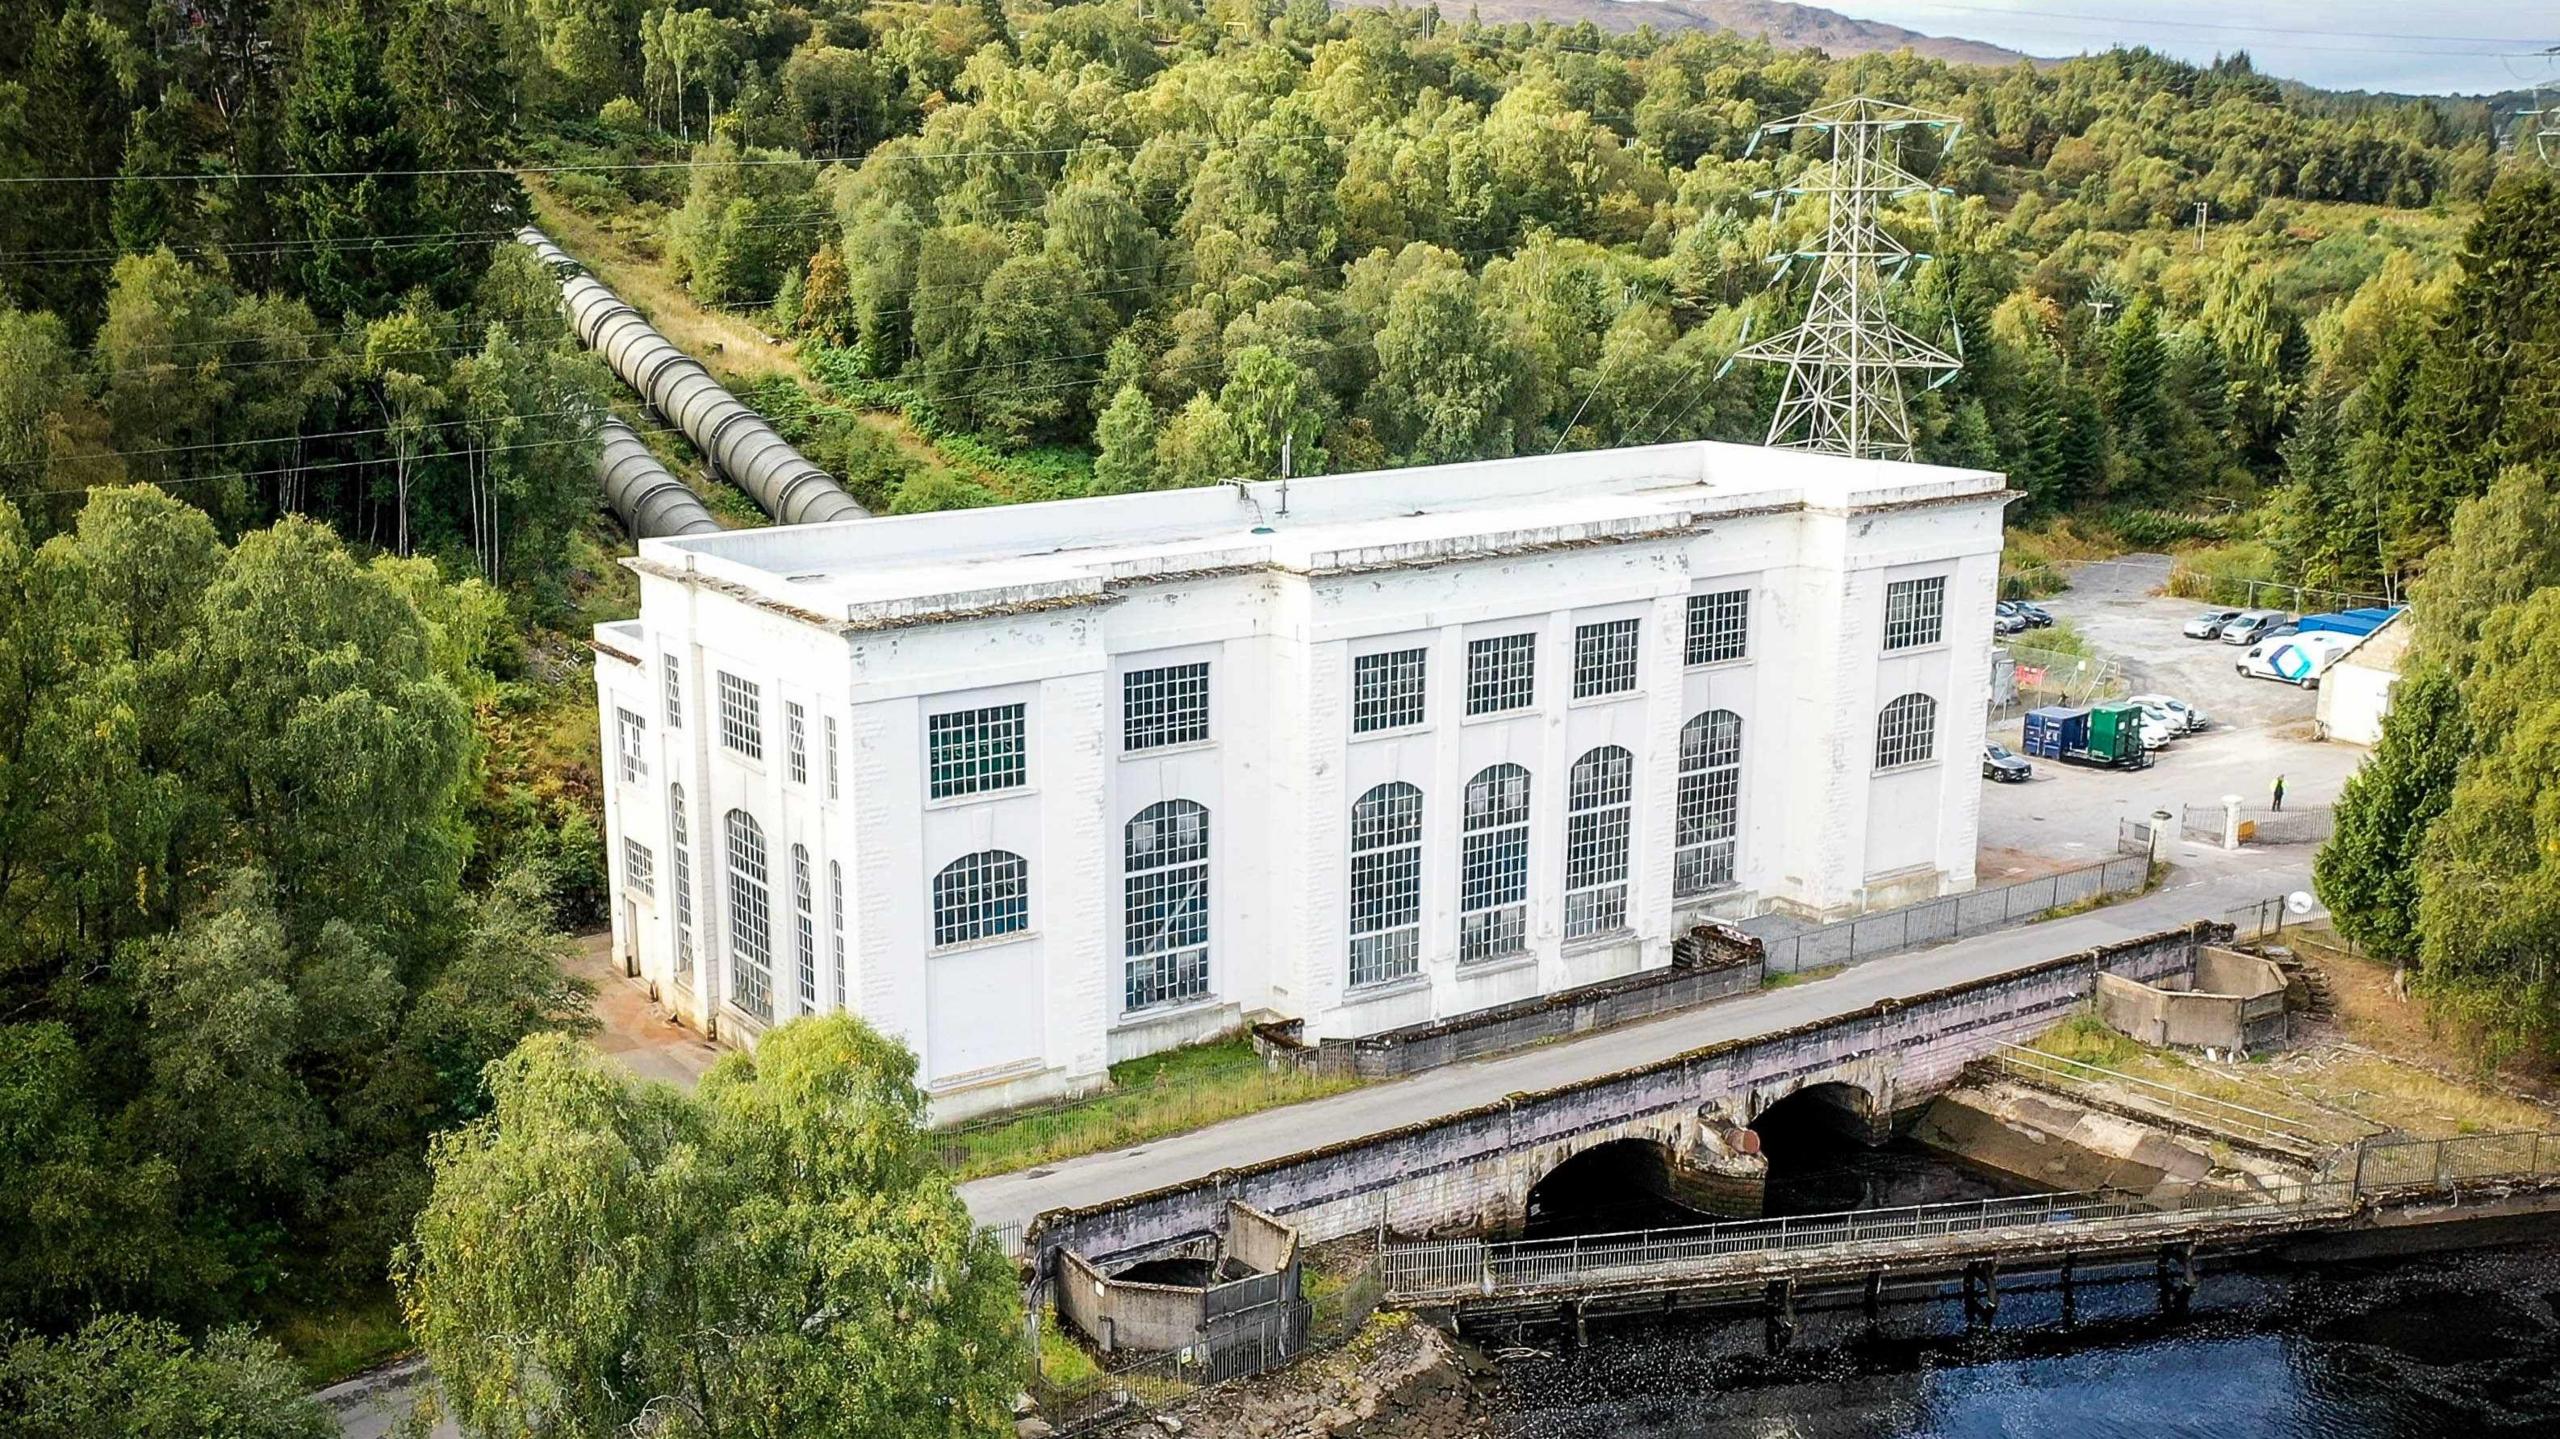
pixel 2007 768
pixel 2036 615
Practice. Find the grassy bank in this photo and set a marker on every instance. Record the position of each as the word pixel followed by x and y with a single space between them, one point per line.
pixel 340 1341
pixel 1162 1094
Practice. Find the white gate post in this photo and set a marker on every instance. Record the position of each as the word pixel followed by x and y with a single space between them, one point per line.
pixel 2161 821
pixel 2231 821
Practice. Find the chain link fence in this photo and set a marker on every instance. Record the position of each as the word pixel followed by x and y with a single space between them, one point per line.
pixel 1955 916
pixel 2033 678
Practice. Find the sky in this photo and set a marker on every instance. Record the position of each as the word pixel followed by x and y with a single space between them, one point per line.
pixel 2410 46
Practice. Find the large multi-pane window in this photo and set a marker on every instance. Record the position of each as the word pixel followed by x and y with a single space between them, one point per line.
pixel 1502 673
pixel 1907 731
pixel 1164 706
pixel 1165 913
pixel 973 751
pixel 1604 658
pixel 1600 795
pixel 1386 884
pixel 1719 627
pixel 1386 690
pixel 835 929
pixel 795 740
pixel 1709 812
pixel 630 734
pixel 639 869
pixel 675 691
pixel 680 864
pixel 742 715
pixel 1915 612
pixel 981 896
pixel 750 918
pixel 804 928
pixel 1493 865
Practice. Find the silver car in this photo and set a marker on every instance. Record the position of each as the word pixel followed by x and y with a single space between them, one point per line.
pixel 2208 626
pixel 2251 626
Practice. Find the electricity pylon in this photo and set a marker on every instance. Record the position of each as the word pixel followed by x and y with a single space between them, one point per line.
pixel 1845 363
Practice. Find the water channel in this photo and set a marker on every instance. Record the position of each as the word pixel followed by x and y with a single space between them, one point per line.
pixel 2463 1343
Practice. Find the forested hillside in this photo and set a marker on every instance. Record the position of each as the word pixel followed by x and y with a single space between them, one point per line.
pixel 298 530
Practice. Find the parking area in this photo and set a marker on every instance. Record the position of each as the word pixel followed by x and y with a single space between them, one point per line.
pixel 2261 729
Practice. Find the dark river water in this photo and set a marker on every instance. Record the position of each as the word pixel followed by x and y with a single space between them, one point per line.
pixel 2462 1344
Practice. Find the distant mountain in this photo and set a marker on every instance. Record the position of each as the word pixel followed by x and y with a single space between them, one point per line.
pixel 1787 26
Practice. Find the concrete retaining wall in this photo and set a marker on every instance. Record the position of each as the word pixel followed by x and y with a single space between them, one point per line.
pixel 1474 1169
pixel 1504 1028
pixel 1118 1314
pixel 2232 1000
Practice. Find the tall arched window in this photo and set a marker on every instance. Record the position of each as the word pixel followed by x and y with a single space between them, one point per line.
pixel 1493 865
pixel 980 896
pixel 1907 731
pixel 750 918
pixel 804 927
pixel 1386 884
pixel 1709 812
pixel 1165 905
pixel 835 928
pixel 680 855
pixel 1600 795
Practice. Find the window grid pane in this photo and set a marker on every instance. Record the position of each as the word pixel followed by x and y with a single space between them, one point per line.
pixel 981 896
pixel 835 775
pixel 1164 706
pixel 1907 731
pixel 1493 865
pixel 1709 810
pixel 835 928
pixel 804 921
pixel 1600 795
pixel 1165 916
pixel 1502 673
pixel 741 715
pixel 795 733
pixel 750 919
pixel 639 870
pixel 1914 612
pixel 1604 658
pixel 1386 690
pixel 1719 627
pixel 631 732
pixel 680 857
pixel 1386 884
pixel 973 751
pixel 675 692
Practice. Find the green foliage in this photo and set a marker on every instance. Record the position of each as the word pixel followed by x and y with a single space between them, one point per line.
pixel 2367 873
pixel 747 224
pixel 128 1378
pixel 775 1255
pixel 242 977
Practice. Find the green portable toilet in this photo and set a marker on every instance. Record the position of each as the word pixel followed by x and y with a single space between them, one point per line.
pixel 2115 732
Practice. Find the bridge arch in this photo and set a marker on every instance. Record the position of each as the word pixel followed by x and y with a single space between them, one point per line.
pixel 1622 1183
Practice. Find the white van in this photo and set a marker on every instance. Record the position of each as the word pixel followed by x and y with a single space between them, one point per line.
pixel 2296 659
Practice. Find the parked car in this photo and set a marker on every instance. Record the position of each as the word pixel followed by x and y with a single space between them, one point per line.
pixel 2156 731
pixel 2000 765
pixel 2036 615
pixel 2187 717
pixel 2208 626
pixel 2005 619
pixel 2295 659
pixel 2251 626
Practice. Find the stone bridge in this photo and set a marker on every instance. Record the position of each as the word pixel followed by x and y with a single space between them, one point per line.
pixel 1476 1170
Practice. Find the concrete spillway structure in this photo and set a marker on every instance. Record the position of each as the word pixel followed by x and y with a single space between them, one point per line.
pixel 737 440
pixel 649 500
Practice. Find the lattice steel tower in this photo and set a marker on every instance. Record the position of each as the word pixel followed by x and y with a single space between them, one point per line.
pixel 1845 363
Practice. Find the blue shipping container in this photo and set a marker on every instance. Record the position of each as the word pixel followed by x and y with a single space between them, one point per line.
pixel 2052 731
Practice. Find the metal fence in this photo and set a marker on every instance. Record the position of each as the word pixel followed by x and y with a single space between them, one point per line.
pixel 2303 824
pixel 2260 919
pixel 1934 921
pixel 2133 836
pixel 2202 1110
pixel 2054 677
pixel 2202 824
pixel 1457 1268
pixel 2380 1165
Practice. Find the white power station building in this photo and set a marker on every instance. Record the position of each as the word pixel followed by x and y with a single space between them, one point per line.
pixel 1041 788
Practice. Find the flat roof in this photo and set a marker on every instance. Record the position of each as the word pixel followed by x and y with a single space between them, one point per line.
pixel 909 569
